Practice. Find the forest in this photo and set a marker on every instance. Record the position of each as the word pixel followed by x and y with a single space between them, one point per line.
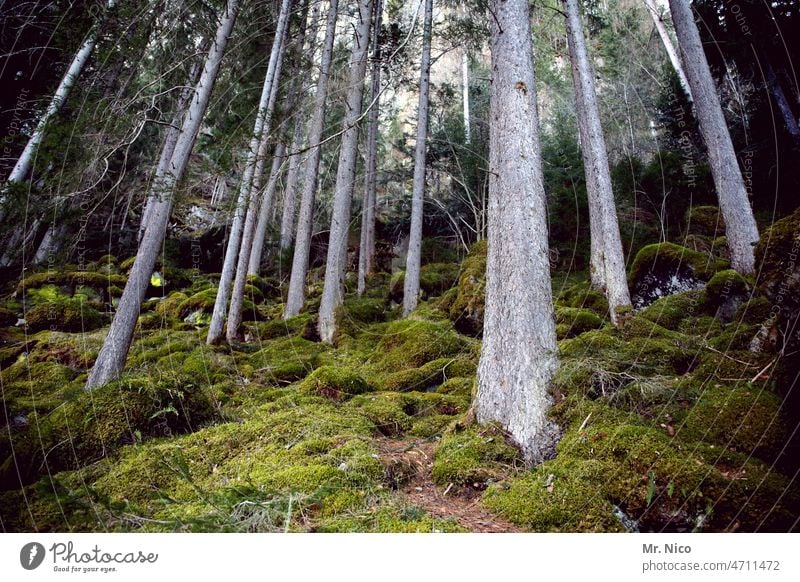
pixel 382 266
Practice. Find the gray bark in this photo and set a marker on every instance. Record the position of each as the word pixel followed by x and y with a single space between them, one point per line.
pixel 666 40
pixel 265 208
pixel 305 220
pixel 413 257
pixel 740 225
pixel 781 101
pixel 519 353
pixel 333 289
pixel 465 94
pixel 25 160
pixel 112 355
pixel 595 161
pixel 253 167
pixel 366 247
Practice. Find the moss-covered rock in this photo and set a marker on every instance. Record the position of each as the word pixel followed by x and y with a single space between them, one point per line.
pixel 467 306
pixel 582 296
pixel 670 311
pixel 68 314
pixel 572 321
pixel 333 383
pixel 726 291
pixel 666 268
pixel 411 343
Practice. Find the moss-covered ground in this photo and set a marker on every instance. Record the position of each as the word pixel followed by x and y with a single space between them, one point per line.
pixel 670 422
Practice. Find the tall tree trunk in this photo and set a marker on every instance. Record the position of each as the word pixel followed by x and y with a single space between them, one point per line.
pixel 666 40
pixel 465 94
pixel 305 220
pixel 264 212
pixel 25 160
pixel 413 257
pixel 740 225
pixel 519 355
pixel 595 161
pixel 333 288
pixel 366 247
pixel 260 132
pixel 170 139
pixel 774 85
pixel 112 356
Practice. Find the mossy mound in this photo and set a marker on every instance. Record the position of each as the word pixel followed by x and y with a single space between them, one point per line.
pixel 582 296
pixel 202 304
pixel 428 375
pixel 93 424
pixel 64 314
pixel 423 414
pixel 434 279
pixel 286 360
pixel 666 268
pixel 467 306
pixel 71 280
pixel 333 383
pixel 277 328
pixel 572 321
pixel 670 311
pixel 705 221
pixel 411 343
pixel 474 457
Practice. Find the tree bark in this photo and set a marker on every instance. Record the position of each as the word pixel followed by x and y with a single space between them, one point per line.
pixel 666 40
pixel 366 247
pixel 265 208
pixel 23 165
pixel 112 355
pixel 305 220
pixel 740 225
pixel 781 101
pixel 465 94
pixel 595 161
pixel 413 257
pixel 260 132
pixel 333 288
pixel 519 353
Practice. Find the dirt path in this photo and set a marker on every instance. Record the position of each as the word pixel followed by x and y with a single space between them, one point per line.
pixel 409 463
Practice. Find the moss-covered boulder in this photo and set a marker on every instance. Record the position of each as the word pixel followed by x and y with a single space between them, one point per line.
pixel 726 292
pixel 333 383
pixel 666 268
pixel 466 308
pixel 434 279
pixel 572 321
pixel 411 343
pixel 64 314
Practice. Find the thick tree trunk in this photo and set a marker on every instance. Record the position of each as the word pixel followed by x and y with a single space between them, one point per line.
pixel 666 40
pixel 25 160
pixel 740 225
pixel 413 257
pixel 595 161
pixel 254 160
pixel 333 289
pixel 519 355
pixel 112 356
pixel 264 212
pixel 366 247
pixel 305 220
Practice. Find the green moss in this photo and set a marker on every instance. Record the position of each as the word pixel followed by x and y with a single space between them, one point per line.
pixel 170 306
pixel 434 279
pixel 412 343
pixel 457 387
pixel 582 296
pixel 572 321
pixel 333 383
pixel 705 220
pixel 391 519
pixel 474 456
pixel 68 314
pixel 429 375
pixel 277 328
pixel 386 411
pixel 286 360
pixel 725 285
pixel 71 279
pixel 467 307
pixel 203 302
pixel 670 311
pixel 755 311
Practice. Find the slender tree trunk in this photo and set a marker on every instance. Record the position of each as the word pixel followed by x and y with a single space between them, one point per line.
pixel 333 289
pixel 740 225
pixel 112 356
pixel 305 221
pixel 780 101
pixel 465 94
pixel 595 161
pixel 265 209
pixel 298 138
pixel 413 257
pixel 366 247
pixel 25 160
pixel 170 139
pixel 666 40
pixel 260 132
pixel 519 355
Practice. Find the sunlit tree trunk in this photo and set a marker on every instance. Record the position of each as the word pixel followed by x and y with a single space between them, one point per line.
pixel 305 220
pixel 112 355
pixel 413 257
pixel 260 132
pixel 366 247
pixel 740 225
pixel 519 353
pixel 333 289
pixel 595 161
